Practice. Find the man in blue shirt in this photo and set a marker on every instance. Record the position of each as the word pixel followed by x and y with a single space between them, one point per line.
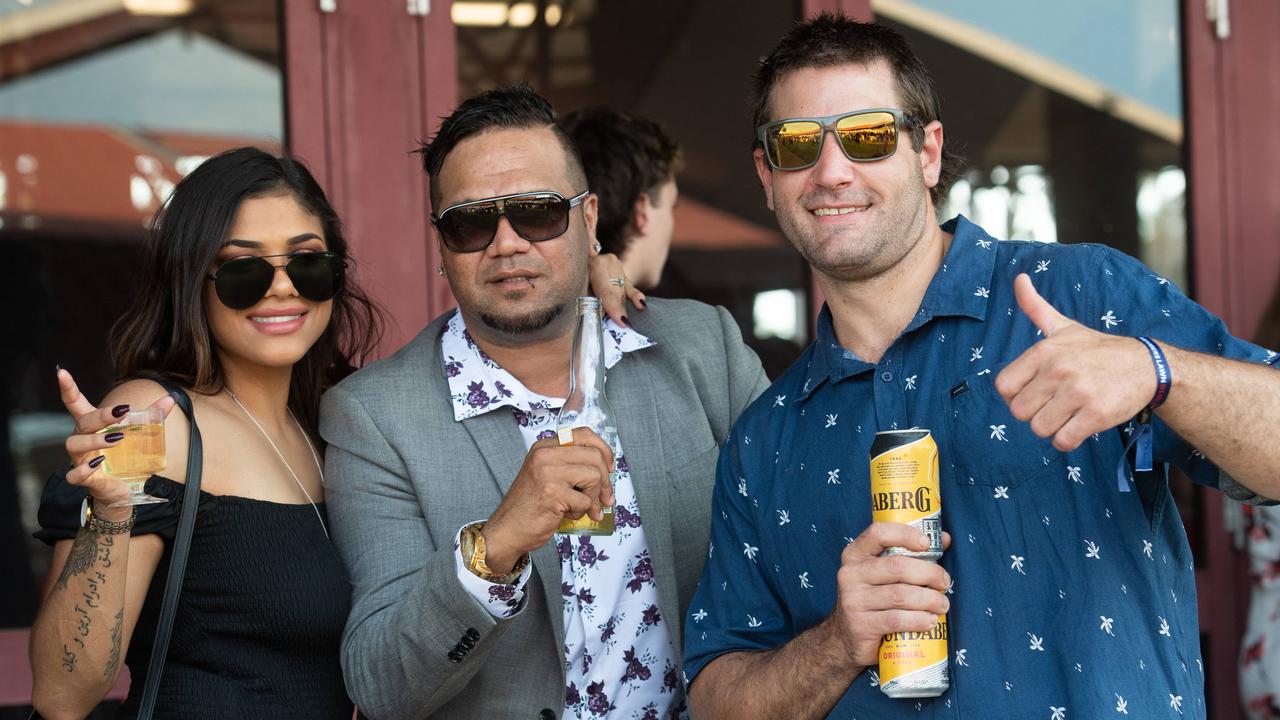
pixel 1073 592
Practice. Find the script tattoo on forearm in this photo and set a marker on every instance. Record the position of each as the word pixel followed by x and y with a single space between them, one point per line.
pixel 105 543
pixel 83 622
pixel 83 554
pixel 68 659
pixel 113 662
pixel 92 596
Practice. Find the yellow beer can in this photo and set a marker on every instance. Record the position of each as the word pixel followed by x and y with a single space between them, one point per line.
pixel 905 489
pixel 904 486
pixel 914 664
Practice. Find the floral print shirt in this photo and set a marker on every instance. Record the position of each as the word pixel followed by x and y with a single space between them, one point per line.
pixel 620 661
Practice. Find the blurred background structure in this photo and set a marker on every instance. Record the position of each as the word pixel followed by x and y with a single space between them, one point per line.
pixel 1148 126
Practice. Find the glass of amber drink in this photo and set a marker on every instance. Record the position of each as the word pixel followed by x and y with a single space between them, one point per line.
pixel 138 456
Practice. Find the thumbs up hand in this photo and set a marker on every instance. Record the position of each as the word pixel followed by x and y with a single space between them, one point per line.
pixel 1076 381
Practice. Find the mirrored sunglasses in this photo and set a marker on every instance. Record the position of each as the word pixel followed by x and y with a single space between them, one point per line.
pixel 863 135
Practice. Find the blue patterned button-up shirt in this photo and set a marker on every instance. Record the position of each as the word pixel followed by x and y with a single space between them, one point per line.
pixel 1073 597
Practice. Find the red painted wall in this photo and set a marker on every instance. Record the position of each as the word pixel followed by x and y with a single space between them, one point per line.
pixel 363 85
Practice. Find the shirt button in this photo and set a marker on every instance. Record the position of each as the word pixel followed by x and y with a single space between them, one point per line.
pixel 455 656
pixel 886 376
pixel 546 714
pixel 473 633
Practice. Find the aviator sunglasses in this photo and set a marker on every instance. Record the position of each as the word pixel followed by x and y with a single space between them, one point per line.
pixel 241 282
pixel 535 216
pixel 863 135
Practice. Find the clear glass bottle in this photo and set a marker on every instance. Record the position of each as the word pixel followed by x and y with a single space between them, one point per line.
pixel 587 405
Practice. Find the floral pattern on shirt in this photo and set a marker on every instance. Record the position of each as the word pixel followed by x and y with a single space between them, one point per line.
pixel 619 658
pixel 502 600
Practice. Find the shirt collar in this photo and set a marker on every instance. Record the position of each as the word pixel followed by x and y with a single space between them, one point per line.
pixel 477 384
pixel 960 287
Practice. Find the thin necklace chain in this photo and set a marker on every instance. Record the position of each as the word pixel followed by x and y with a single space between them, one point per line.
pixel 288 467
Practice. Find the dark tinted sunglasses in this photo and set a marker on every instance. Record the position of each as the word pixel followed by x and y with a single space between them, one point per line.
pixel 241 282
pixel 864 136
pixel 535 216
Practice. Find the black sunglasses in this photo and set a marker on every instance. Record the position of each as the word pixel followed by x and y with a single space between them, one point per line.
pixel 535 216
pixel 863 135
pixel 241 282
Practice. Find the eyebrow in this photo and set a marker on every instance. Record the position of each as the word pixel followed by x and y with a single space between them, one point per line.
pixel 254 244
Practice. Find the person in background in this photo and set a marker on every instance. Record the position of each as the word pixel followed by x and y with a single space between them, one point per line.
pixel 1256 530
pixel 631 165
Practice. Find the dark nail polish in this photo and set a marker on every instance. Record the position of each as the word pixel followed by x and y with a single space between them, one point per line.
pixel 97 461
pixel 114 437
pixel 625 322
pixel 643 304
pixel 119 410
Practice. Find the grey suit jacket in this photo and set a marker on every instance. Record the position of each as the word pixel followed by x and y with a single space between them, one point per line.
pixel 402 476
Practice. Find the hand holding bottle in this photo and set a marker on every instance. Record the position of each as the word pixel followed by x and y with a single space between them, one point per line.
pixel 555 481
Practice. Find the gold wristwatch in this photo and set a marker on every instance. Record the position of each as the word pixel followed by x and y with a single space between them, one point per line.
pixel 473 556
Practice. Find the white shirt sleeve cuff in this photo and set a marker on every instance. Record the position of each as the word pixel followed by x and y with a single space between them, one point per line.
pixel 500 600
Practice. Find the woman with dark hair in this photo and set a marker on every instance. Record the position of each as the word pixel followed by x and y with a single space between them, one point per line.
pixel 265 597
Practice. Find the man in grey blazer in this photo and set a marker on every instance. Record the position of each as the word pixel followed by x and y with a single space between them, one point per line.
pixel 444 489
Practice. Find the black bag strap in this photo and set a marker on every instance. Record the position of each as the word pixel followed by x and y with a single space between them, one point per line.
pixel 181 546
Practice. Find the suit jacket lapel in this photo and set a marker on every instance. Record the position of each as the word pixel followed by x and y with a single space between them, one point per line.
pixel 630 391
pixel 502 447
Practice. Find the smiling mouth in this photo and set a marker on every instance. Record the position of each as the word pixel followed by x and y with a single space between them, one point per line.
pixel 828 211
pixel 275 319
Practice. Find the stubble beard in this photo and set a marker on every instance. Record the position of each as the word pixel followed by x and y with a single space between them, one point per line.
pixel 837 254
pixel 523 324
pixel 851 255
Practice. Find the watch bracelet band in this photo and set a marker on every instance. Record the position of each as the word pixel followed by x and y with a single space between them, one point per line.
pixel 472 547
pixel 107 527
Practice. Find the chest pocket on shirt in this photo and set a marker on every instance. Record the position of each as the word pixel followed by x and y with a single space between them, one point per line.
pixel 988 445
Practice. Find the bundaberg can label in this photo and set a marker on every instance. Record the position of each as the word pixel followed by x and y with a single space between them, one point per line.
pixel 904 486
pixel 914 664
pixel 905 489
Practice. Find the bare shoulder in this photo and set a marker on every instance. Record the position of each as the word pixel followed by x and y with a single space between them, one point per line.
pixel 137 394
pixel 141 393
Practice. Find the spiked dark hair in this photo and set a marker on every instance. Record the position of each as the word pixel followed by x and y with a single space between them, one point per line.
pixel 833 39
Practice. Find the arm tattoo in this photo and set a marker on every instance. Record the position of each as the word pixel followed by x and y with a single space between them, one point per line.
pixel 104 550
pixel 83 621
pixel 113 662
pixel 68 659
pixel 83 554
pixel 92 596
